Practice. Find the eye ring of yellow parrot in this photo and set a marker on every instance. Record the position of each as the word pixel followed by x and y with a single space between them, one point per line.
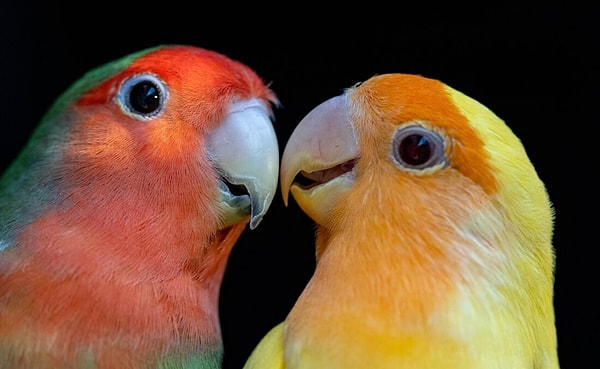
pixel 415 147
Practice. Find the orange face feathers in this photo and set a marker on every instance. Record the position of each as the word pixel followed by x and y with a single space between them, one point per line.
pixel 408 98
pixel 429 254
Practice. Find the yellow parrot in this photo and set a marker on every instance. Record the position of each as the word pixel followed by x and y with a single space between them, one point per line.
pixel 433 241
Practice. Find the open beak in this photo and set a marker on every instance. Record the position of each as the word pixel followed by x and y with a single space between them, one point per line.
pixel 318 159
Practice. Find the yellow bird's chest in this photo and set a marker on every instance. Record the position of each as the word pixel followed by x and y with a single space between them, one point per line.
pixel 382 339
pixel 390 313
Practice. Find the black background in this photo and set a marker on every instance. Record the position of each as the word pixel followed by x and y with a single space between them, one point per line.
pixel 534 67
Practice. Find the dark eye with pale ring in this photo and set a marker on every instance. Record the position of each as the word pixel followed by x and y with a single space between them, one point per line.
pixel 416 147
pixel 143 96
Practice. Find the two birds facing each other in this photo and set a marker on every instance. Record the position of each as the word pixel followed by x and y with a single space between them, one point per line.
pixel 433 238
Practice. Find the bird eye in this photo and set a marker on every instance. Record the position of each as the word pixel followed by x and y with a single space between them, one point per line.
pixel 142 96
pixel 415 147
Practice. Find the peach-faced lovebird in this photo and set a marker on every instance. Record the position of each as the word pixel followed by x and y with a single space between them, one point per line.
pixel 118 217
pixel 433 241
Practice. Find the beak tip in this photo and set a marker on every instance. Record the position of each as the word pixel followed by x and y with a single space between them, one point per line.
pixel 260 207
pixel 285 196
pixel 254 222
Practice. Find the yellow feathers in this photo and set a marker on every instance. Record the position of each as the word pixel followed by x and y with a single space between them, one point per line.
pixel 433 238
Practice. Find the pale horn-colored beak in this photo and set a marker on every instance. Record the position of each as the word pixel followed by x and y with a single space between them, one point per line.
pixel 245 149
pixel 322 148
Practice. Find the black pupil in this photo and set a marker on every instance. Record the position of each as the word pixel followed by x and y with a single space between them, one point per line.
pixel 145 97
pixel 415 149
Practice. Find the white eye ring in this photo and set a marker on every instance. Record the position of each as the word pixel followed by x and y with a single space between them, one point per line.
pixel 415 147
pixel 142 96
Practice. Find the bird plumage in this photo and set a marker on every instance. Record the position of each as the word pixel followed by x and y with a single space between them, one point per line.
pixel 118 217
pixel 433 239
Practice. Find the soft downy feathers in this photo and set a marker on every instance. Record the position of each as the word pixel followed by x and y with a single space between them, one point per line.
pixel 433 236
pixel 117 218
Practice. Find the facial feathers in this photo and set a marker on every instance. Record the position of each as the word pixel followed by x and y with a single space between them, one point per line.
pixel 433 238
pixel 119 215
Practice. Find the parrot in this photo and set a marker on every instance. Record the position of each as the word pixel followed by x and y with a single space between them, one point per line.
pixel 119 215
pixel 433 236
